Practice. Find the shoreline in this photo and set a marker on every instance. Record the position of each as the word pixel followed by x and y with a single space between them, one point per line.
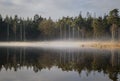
pixel 108 44
pixel 83 44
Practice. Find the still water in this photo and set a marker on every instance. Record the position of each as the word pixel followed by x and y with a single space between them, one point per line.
pixel 37 64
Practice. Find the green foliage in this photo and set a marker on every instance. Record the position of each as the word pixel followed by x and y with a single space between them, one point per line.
pixel 114 19
pixel 39 28
pixel 98 27
pixel 47 28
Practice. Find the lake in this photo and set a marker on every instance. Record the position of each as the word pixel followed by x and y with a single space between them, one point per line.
pixel 67 64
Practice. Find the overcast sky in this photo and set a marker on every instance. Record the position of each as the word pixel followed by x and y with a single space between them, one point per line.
pixel 56 8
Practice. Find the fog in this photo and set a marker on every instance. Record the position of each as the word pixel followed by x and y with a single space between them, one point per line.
pixel 62 44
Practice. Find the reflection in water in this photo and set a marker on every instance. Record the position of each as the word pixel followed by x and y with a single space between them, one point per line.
pixel 77 60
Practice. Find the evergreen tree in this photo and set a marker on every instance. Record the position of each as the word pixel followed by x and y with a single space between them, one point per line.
pixel 113 19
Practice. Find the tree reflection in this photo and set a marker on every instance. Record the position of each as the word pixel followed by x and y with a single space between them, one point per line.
pixel 104 61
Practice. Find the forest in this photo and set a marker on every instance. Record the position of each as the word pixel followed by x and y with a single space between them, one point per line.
pixel 105 27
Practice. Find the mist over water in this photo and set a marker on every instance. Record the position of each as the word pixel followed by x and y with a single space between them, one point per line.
pixel 70 58
pixel 79 48
pixel 59 60
pixel 45 44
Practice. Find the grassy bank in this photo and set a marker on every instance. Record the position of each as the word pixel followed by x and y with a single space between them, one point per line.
pixel 102 44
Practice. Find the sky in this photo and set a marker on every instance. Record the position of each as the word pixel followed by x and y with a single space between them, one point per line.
pixel 56 8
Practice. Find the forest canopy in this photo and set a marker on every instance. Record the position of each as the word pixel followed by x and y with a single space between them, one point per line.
pixel 105 27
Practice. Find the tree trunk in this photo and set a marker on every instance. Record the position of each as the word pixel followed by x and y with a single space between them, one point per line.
pixel 114 32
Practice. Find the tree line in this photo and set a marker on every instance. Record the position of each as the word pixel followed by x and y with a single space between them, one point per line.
pixel 106 27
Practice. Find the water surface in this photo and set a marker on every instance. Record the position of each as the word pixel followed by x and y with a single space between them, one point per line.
pixel 40 64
